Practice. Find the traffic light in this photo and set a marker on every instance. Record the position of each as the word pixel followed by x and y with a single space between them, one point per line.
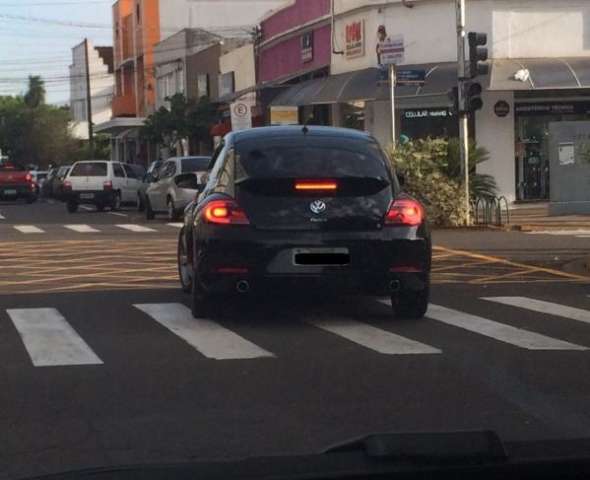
pixel 473 101
pixel 478 53
pixel 454 98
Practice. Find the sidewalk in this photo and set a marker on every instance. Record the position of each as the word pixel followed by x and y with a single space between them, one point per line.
pixel 535 217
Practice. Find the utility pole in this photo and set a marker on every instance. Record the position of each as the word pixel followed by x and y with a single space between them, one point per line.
pixel 392 82
pixel 89 99
pixel 463 114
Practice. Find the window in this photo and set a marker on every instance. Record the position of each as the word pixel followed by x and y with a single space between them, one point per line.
pixel 118 169
pixel 202 85
pixel 195 164
pixel 169 169
pixel 129 171
pixel 86 169
pixel 138 12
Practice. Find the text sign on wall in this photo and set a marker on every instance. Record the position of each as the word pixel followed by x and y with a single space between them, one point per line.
pixel 284 115
pixel 355 39
pixel 307 47
pixel 241 116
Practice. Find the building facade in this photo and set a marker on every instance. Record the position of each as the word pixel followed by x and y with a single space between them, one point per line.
pixel 100 72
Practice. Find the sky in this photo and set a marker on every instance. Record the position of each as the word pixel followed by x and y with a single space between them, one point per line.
pixel 37 36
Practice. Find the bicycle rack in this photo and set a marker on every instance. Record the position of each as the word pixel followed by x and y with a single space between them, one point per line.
pixel 488 210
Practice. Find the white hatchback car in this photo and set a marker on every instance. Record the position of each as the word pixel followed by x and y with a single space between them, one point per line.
pixel 100 183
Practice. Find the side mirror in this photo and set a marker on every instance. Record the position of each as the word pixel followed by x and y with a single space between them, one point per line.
pixel 401 178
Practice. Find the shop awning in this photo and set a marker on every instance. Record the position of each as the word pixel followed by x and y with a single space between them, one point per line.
pixel 364 85
pixel 118 125
pixel 540 73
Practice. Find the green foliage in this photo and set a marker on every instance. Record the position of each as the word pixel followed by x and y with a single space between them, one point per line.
pixel 34 133
pixel 184 119
pixel 432 171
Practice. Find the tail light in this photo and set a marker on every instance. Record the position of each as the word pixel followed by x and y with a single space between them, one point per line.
pixel 405 211
pixel 316 185
pixel 108 185
pixel 224 212
pixel 29 177
pixel 67 185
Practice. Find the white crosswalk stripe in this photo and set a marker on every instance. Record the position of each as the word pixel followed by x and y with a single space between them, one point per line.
pixel 49 338
pixel 206 336
pixel 540 306
pixel 373 338
pixel 136 228
pixel 498 331
pixel 82 228
pixel 28 229
pixel 579 233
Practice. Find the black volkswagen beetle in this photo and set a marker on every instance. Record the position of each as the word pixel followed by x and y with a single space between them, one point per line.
pixel 301 207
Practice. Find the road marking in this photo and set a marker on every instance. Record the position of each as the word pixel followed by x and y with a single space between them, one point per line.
pixel 118 214
pixel 176 225
pixel 85 207
pixel 207 337
pixel 373 338
pixel 28 229
pixel 543 307
pixel 51 202
pixel 50 340
pixel 136 228
pixel 560 232
pixel 82 228
pixel 498 331
pixel 2 217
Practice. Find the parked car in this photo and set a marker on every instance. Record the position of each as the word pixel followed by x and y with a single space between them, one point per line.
pixel 53 185
pixel 303 207
pixel 174 185
pixel 100 183
pixel 147 178
pixel 16 182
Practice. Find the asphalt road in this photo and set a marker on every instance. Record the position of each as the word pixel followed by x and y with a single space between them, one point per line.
pixel 125 376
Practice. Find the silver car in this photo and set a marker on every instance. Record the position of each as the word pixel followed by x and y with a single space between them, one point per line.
pixel 174 185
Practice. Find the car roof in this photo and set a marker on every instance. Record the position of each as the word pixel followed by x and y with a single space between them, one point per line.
pixel 296 131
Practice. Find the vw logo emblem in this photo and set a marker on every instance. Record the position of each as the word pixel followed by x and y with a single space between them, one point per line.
pixel 317 207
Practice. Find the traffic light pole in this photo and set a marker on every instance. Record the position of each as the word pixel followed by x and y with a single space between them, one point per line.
pixel 463 115
pixel 392 82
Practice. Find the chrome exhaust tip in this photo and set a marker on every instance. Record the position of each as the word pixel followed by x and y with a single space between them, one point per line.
pixel 394 286
pixel 243 286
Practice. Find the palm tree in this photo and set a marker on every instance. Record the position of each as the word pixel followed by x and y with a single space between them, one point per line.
pixel 35 95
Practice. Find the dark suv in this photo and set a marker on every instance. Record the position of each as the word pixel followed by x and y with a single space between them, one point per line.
pixel 304 207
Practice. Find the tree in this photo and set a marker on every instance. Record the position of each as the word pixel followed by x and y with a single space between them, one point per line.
pixel 184 119
pixel 35 95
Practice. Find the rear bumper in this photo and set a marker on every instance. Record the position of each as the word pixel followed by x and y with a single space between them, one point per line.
pixel 266 261
pixel 91 197
pixel 18 191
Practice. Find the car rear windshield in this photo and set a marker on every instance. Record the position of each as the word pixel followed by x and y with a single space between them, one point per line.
pixel 312 157
pixel 195 164
pixel 91 169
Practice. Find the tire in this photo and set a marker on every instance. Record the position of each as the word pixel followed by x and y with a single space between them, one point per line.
pixel 72 207
pixel 116 202
pixel 411 304
pixel 149 213
pixel 200 301
pixel 184 266
pixel 172 212
pixel 140 204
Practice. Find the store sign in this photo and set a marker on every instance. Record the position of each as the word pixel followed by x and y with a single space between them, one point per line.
pixel 417 114
pixel 552 108
pixel 284 115
pixel 410 77
pixel 502 108
pixel 241 116
pixel 307 47
pixel 355 39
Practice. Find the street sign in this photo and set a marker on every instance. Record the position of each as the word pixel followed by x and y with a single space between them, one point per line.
pixel 411 77
pixel 392 50
pixel 241 116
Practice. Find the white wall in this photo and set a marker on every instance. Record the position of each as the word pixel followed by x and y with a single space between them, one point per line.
pixel 102 85
pixel 497 136
pixel 220 17
pixel 240 61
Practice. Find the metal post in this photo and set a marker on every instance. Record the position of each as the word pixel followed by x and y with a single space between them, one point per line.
pixel 463 117
pixel 89 101
pixel 392 81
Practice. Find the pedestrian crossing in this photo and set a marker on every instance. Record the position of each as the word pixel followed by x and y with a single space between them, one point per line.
pixel 94 229
pixel 50 340
pixel 577 233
